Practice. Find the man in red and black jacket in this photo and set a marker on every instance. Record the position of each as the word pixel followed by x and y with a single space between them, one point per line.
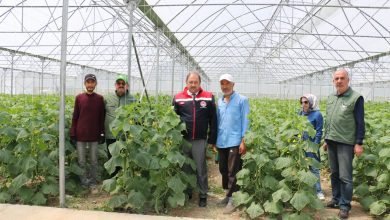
pixel 196 108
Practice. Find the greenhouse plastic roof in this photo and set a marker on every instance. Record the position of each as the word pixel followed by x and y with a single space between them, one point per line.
pixel 275 40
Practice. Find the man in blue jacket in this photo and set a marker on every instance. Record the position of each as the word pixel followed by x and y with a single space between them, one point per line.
pixel 232 116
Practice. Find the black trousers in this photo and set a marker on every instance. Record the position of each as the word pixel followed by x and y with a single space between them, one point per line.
pixel 229 164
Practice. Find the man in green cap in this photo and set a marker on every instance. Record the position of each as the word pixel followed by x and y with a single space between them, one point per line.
pixel 112 102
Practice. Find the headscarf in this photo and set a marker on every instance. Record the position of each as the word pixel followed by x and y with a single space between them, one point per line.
pixel 313 103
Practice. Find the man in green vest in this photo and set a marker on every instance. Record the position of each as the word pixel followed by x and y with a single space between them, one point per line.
pixel 344 134
pixel 112 102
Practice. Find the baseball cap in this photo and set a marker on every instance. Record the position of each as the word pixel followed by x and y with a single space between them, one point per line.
pixel 227 77
pixel 89 76
pixel 121 77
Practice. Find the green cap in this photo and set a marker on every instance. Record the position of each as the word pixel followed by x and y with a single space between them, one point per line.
pixel 121 77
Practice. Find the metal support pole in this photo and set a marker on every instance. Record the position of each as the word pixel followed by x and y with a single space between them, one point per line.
pixel 373 81
pixel 157 64
pixel 24 75
pixel 12 74
pixel 64 31
pixel 173 73
pixel 131 7
pixel 41 83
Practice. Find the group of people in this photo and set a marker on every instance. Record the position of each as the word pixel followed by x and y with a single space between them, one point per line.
pixel 222 126
pixel 92 116
pixel 344 134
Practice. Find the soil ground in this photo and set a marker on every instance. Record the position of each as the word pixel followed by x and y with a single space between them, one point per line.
pixel 97 201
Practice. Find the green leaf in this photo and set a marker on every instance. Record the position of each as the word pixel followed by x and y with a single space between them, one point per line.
pixel 367 201
pixel 273 207
pixel 377 208
pixel 39 199
pixel 371 171
pixel 300 200
pixel 116 147
pixel 254 210
pixel 307 177
pixel 28 165
pixel 241 198
pixel 9 131
pixel 5 197
pixel 361 190
pixel 74 168
pixel 5 156
pixel 283 194
pixel 283 162
pixel 270 182
pixel 176 199
pixel 176 158
pixel 109 185
pixel 143 159
pixel 384 140
pixel 50 189
pixel 18 182
pixel 112 163
pixel 23 134
pixel 117 201
pixel 176 184
pixel 384 152
pixel 26 194
pixel 136 199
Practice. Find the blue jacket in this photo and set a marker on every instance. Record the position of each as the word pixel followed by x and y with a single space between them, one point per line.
pixel 232 120
pixel 316 119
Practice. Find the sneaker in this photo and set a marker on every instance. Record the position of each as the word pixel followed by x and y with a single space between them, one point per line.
pixel 332 204
pixel 94 189
pixel 223 202
pixel 229 208
pixel 321 196
pixel 202 202
pixel 343 214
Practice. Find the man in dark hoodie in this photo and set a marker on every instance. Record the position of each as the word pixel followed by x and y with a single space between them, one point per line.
pixel 88 129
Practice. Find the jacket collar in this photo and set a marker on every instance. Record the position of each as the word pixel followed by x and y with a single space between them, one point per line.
pixel 185 91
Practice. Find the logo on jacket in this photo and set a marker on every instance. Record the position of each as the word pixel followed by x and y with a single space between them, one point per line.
pixel 181 103
pixel 203 104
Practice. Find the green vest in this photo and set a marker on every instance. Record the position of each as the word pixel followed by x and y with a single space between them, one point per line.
pixel 340 124
pixel 112 102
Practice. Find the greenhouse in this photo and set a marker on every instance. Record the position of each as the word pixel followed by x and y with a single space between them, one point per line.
pixel 276 51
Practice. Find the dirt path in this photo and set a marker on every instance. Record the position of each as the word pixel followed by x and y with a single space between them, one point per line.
pixel 98 201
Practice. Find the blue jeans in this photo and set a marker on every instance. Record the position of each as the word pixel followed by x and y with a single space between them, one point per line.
pixel 317 185
pixel 340 161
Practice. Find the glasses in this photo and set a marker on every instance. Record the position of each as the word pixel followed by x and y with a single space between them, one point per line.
pixel 304 102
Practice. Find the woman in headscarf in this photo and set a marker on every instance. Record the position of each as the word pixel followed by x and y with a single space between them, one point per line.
pixel 311 110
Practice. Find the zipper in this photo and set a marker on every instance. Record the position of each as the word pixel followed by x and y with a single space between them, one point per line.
pixel 193 117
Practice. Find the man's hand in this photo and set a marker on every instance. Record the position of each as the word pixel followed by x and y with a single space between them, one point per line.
pixel 214 148
pixel 325 146
pixel 102 139
pixel 73 141
pixel 358 149
pixel 242 148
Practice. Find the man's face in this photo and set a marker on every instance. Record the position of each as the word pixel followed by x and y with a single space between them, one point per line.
pixel 90 85
pixel 226 87
pixel 121 86
pixel 193 83
pixel 341 81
